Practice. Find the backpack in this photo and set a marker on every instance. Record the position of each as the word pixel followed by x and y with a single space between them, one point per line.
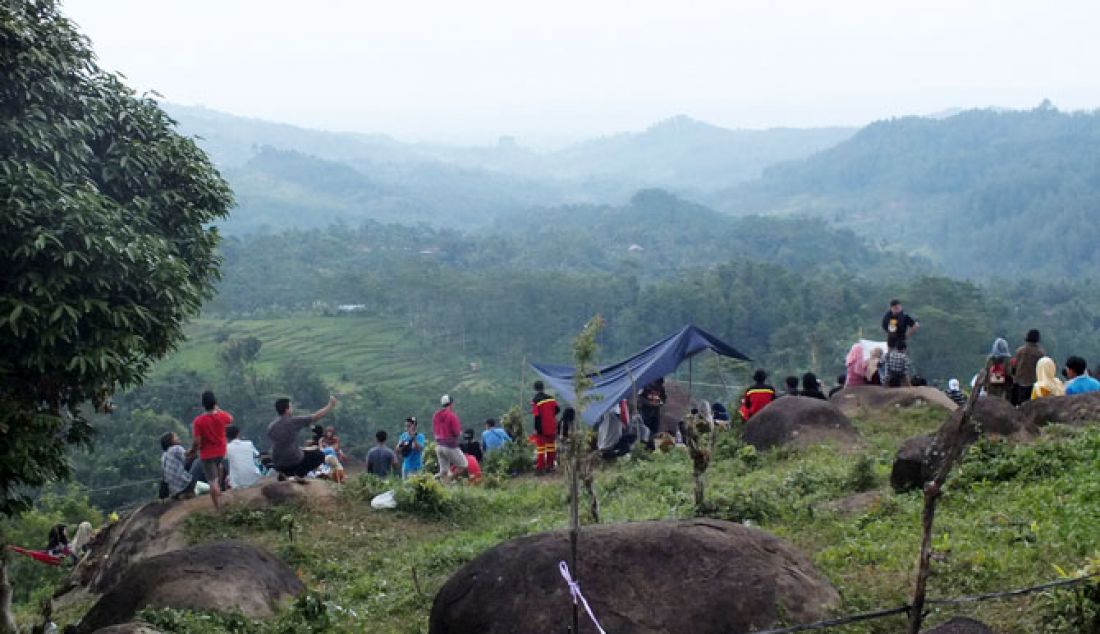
pixel 997 373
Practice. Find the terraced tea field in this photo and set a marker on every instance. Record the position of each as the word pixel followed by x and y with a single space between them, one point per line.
pixel 346 351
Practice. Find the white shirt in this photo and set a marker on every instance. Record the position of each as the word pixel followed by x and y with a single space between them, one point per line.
pixel 242 463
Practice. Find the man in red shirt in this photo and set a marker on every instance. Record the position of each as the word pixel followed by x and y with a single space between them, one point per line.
pixel 208 433
pixel 448 430
pixel 545 410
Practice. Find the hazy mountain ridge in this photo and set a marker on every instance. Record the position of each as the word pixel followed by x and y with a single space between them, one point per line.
pixel 471 186
pixel 984 193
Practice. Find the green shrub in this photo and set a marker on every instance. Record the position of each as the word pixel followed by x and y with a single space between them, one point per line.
pixel 235 521
pixel 745 506
pixel 312 612
pixel 999 461
pixel 1075 608
pixel 363 487
pixel 510 459
pixel 424 495
pixel 861 476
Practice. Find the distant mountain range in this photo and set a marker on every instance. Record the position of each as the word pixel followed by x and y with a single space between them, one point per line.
pixel 979 193
pixel 279 171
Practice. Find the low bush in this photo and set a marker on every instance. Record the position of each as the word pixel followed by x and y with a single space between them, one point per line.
pixel 510 459
pixel 424 495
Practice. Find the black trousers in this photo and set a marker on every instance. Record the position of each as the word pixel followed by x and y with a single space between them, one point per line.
pixel 311 459
pixel 1020 394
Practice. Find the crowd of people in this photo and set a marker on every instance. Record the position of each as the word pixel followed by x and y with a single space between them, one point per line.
pixel 1017 377
pixel 220 458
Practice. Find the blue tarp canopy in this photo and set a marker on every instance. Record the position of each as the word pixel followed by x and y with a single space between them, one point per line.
pixel 613 382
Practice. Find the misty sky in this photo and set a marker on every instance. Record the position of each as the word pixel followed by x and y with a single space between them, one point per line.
pixel 548 72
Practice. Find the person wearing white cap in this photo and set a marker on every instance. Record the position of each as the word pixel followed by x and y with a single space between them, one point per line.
pixel 955 393
pixel 447 429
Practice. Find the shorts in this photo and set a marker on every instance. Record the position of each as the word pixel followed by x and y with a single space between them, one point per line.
pixel 212 469
pixel 450 457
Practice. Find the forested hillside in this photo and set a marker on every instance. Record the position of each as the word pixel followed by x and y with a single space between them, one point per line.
pixel 794 298
pixel 983 193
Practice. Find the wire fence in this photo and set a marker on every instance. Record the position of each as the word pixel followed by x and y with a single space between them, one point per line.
pixel 904 609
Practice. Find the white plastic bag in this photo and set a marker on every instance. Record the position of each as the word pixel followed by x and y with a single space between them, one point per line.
pixel 384 501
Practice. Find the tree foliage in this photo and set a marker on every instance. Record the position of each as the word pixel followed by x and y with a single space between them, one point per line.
pixel 105 241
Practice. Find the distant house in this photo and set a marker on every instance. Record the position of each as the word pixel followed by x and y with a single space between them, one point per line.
pixel 351 308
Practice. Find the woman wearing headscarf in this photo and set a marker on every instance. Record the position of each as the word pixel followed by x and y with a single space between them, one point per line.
pixel 1047 382
pixel 82 538
pixel 1000 377
pixel 857 366
pixel 874 377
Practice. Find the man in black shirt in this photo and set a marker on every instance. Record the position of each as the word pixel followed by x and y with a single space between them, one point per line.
pixel 897 324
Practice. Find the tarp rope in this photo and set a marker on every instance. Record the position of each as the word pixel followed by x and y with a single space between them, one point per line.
pixel 575 592
pixel 904 609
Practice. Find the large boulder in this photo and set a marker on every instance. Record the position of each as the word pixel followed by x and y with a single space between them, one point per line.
pixel 851 400
pixel 1071 410
pixel 911 464
pixel 706 576
pixel 993 417
pixel 918 458
pixel 961 625
pixel 227 576
pixel 800 421
pixel 157 528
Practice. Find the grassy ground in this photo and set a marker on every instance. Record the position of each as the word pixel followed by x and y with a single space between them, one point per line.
pixel 1010 516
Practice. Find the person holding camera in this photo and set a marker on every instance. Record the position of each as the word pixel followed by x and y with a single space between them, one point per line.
pixel 410 448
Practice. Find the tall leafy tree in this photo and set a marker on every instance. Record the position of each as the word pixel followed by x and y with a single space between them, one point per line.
pixel 105 241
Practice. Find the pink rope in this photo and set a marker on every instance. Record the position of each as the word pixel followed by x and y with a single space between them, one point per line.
pixel 575 592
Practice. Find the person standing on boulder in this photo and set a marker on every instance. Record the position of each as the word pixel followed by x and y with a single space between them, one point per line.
pixel 856 365
pixel 896 368
pixel 1023 367
pixel 999 383
pixel 897 324
pixel 447 429
pixel 1047 382
pixel 544 409
pixel 289 459
pixel 209 442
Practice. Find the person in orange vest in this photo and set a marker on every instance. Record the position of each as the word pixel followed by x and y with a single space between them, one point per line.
pixel 545 411
pixel 759 395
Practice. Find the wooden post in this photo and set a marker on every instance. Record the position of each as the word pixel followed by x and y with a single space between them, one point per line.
pixel 951 444
pixel 574 518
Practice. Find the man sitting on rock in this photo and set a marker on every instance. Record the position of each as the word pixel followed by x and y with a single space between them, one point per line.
pixel 241 455
pixel 289 459
pixel 1079 380
pixel 173 464
pixel 758 396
